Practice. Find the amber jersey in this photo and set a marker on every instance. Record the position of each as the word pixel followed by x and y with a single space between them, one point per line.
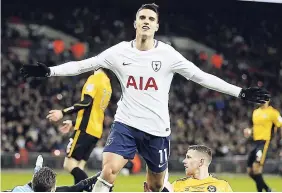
pixel 209 184
pixel 263 120
pixel 91 118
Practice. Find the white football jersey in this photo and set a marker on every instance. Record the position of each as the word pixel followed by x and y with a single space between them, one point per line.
pixel 145 78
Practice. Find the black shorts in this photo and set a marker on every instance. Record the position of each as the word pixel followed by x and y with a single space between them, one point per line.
pixel 258 153
pixel 81 145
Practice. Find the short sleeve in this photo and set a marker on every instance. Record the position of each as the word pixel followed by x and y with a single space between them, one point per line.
pixel 90 87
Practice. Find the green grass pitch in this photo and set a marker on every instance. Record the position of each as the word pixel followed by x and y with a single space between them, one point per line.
pixel 238 182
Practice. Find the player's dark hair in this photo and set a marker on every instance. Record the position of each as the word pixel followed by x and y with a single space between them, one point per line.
pixel 152 6
pixel 202 149
pixel 44 180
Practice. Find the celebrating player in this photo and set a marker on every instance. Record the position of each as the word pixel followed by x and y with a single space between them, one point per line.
pixel 95 97
pixel 263 119
pixel 145 68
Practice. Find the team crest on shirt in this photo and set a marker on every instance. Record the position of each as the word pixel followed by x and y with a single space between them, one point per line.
pixel 211 188
pixel 109 141
pixel 156 65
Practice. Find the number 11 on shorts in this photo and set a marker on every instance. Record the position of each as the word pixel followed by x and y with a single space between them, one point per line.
pixel 163 156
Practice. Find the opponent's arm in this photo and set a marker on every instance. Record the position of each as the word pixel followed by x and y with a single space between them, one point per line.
pixel 86 102
pixel 277 120
pixel 83 185
pixel 56 115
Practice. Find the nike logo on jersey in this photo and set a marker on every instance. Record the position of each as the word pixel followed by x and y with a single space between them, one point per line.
pixel 161 165
pixel 125 64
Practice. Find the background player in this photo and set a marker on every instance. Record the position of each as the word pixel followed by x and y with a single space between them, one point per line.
pixel 145 68
pixel 263 119
pixel 95 97
pixel 198 179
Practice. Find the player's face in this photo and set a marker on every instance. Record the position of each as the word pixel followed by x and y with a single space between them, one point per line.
pixel 192 162
pixel 146 23
pixel 266 104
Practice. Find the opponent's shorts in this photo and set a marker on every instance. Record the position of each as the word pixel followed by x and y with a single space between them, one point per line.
pixel 126 141
pixel 258 153
pixel 81 145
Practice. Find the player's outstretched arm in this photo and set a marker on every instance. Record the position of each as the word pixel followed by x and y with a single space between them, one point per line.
pixel 103 60
pixel 56 115
pixel 187 69
pixel 253 94
pixel 84 185
pixel 67 69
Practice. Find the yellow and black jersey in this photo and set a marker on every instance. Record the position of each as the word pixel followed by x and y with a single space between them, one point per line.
pixel 209 184
pixel 263 120
pixel 91 118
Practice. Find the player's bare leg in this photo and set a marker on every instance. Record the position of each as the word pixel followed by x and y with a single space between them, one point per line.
pixel 112 164
pixel 257 168
pixel 155 180
pixel 76 168
pixel 256 175
pixel 82 164
pixel 70 163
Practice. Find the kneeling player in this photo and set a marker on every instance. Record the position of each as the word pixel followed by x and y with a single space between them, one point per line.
pixel 95 97
pixel 198 179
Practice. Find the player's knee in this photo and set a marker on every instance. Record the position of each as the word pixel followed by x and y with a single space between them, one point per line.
pixel 155 180
pixel 257 168
pixel 69 164
pixel 82 164
pixel 68 167
pixel 249 171
pixel 109 173
pixel 157 186
pixel 257 171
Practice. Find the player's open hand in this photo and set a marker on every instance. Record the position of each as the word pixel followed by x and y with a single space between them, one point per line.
pixel 39 70
pixel 55 115
pixel 247 132
pixel 66 127
pixel 255 95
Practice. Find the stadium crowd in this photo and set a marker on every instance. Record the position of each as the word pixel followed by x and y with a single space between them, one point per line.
pixel 198 115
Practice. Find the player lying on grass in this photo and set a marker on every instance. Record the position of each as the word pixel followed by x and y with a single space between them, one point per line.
pixel 44 180
pixel 198 178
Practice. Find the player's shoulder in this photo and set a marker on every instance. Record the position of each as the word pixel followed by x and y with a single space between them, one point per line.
pixel 271 108
pixel 169 51
pixel 98 77
pixel 124 44
pixel 182 179
pixel 24 188
pixel 257 110
pixel 119 46
pixel 219 180
pixel 163 45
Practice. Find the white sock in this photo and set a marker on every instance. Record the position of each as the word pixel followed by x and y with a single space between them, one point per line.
pixel 102 186
pixel 166 175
